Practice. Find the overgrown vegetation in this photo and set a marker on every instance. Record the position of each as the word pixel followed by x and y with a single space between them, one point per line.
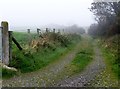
pixel 39 50
pixel 7 73
pixel 107 29
pixel 110 48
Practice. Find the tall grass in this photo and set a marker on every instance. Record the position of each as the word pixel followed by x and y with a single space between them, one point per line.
pixel 111 54
pixel 111 63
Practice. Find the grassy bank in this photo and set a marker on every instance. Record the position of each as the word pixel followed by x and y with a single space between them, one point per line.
pixel 109 76
pixel 29 60
pixel 110 61
pixel 110 52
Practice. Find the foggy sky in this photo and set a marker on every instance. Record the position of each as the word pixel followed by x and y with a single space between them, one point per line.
pixel 43 12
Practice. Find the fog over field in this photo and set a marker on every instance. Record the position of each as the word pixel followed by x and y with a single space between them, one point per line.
pixel 59 43
pixel 25 14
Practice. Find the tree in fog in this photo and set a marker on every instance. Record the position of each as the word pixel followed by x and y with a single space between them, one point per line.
pixel 92 30
pixel 107 15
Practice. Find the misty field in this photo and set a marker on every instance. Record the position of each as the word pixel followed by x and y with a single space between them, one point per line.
pixel 60 43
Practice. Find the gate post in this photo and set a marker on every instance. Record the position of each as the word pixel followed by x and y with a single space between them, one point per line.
pixel 10 45
pixel 5 43
pixel 47 30
pixel 28 30
pixel 54 30
pixel 0 44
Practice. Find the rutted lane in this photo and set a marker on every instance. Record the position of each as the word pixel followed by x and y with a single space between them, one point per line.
pixel 91 71
pixel 43 76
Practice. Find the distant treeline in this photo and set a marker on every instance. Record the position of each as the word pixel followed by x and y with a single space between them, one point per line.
pixel 75 29
pixel 107 15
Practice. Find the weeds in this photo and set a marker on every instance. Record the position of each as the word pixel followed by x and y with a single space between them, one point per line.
pixel 8 73
pixel 110 51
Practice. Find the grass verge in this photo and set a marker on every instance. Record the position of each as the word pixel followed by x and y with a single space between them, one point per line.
pixel 111 59
pixel 109 76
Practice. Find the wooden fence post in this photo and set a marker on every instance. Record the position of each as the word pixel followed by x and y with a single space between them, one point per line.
pixel 5 43
pixel 38 31
pixel 59 31
pixel 54 30
pixel 0 43
pixel 10 45
pixel 28 30
pixel 46 30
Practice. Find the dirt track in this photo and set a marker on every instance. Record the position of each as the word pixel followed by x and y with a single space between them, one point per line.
pixel 41 77
pixel 46 76
pixel 88 74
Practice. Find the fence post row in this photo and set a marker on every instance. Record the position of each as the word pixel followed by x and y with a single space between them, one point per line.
pixel 6 39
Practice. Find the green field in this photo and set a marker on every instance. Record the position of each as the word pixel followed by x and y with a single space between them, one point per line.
pixel 29 59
